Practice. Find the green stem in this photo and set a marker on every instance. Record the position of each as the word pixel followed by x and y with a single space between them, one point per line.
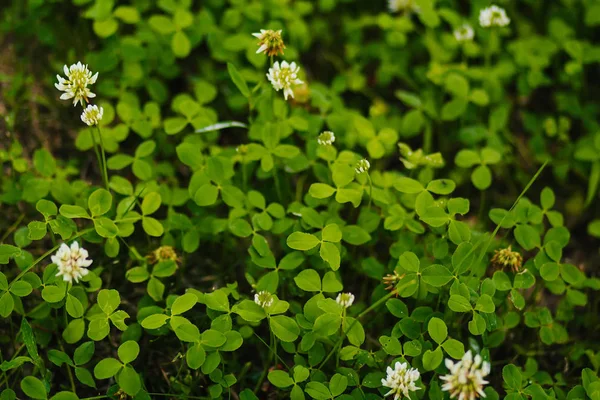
pixel 370 190
pixel 46 254
pixel 359 316
pixel 277 185
pixel 104 167
pixel 12 228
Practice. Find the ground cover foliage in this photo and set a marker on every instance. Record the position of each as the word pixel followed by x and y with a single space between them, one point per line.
pixel 276 199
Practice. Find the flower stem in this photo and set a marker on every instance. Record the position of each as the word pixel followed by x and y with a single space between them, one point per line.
pixel 359 316
pixel 104 167
pixel 370 190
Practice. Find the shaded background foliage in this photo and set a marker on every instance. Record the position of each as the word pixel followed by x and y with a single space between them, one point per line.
pixel 495 109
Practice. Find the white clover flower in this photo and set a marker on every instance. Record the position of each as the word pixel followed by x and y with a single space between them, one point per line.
pixel 326 138
pixel 75 86
pixel 263 299
pixel 362 166
pixel 464 33
pixel 493 16
pixel 92 115
pixel 465 379
pixel 284 77
pixel 72 262
pixel 401 380
pixel 270 42
pixel 401 5
pixel 345 299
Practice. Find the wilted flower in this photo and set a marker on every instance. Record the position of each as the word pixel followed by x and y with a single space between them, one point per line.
pixel 362 166
pixel 507 258
pixel 401 380
pixel 92 115
pixel 345 299
pixel 75 85
pixel 391 280
pixel 263 299
pixel 464 33
pixel 269 42
pixel 163 253
pixel 284 77
pixel 326 138
pixel 465 379
pixel 402 5
pixel 72 262
pixel 493 16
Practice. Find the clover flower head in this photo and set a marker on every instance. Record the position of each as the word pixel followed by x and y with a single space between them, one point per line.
pixel 284 76
pixel 493 16
pixel 326 138
pixel 464 33
pixel 507 258
pixel 362 166
pixel 75 85
pixel 263 299
pixel 402 5
pixel 92 115
pixel 269 42
pixel 345 299
pixel 72 262
pixel 401 380
pixel 465 379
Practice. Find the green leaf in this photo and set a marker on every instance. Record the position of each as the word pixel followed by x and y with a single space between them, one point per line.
pixel 105 227
pixel 302 241
pixel 129 380
pixel 482 177
pixel 317 391
pixel 183 303
pixel 330 254
pixel 152 226
pixel 154 321
pixel 458 303
pixel 108 300
pixel 284 328
pixel 331 283
pixel 249 310
pixel 408 185
pixel 99 202
pixel 338 384
pixel 70 211
pixel 355 235
pixel 454 348
pixel 485 304
pixel 180 44
pixel 74 306
pixel 107 368
pixel 441 186
pixel 128 351
pixel 279 378
pixel 409 261
pixel 432 359
pixel 238 80
pixel 34 388
pixel 321 190
pixel 437 330
pixel 332 233
pixel 217 301
pixel 512 377
pixel 151 203
pixel 195 356
pixel 308 280
pixel 436 275
pixel 527 237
